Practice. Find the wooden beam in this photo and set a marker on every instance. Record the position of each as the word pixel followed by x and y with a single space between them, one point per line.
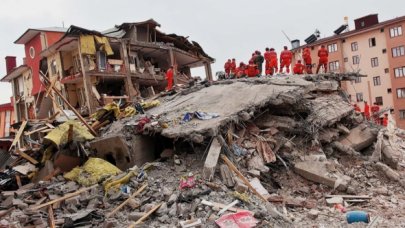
pixel 140 220
pixel 51 217
pixel 86 82
pixel 126 201
pixel 18 135
pixel 67 196
pixel 35 131
pixel 27 157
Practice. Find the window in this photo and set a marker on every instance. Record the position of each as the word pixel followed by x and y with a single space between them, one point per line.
pixel 398 51
pixel 379 100
pixel 346 59
pixel 371 42
pixel 396 31
pixel 356 59
pixel 399 72
pixel 384 50
pixel 359 97
pixel 32 52
pixel 402 114
pixel 334 66
pixel 386 70
pixel 355 46
pixel 332 47
pixel 401 93
pixel 389 90
pixel 382 30
pixel 374 62
pixel 7 125
pixel 362 24
pixel 53 67
pixel 377 81
pixel 357 80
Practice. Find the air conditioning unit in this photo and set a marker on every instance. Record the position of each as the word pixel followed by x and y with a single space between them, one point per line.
pixel 101 61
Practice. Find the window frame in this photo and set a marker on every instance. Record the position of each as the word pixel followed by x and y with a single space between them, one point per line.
pixel 401 93
pixel 402 111
pixel 359 97
pixel 399 51
pixel 356 57
pixel 354 46
pixel 377 81
pixel 379 101
pixel 332 47
pixel 374 62
pixel 399 72
pixel 396 31
pixel 372 42
pixel 335 64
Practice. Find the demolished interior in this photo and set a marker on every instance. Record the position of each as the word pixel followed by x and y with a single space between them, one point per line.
pixel 282 151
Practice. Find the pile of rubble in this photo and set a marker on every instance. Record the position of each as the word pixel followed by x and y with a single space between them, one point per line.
pixel 281 151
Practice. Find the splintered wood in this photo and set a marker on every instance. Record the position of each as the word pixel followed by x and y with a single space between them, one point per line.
pixel 211 160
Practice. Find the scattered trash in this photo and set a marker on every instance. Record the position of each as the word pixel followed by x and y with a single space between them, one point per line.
pixel 243 219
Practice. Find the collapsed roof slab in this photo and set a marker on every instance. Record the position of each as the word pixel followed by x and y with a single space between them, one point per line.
pixel 228 99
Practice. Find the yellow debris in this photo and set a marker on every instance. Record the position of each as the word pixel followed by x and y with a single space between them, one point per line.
pixel 59 135
pixel 150 104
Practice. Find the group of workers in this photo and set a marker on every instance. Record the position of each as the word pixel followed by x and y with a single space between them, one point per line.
pixel 255 66
pixel 372 113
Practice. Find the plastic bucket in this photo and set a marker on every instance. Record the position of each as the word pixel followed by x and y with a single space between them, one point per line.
pixel 357 216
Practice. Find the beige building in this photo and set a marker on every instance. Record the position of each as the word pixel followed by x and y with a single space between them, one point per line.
pixel 374 49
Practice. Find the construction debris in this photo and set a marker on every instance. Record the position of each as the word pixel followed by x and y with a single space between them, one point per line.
pixel 291 153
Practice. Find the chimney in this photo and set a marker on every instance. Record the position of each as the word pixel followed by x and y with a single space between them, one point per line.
pixel 11 63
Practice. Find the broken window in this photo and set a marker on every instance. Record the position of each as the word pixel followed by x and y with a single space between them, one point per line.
pixel 377 81
pixel 371 42
pixel 359 97
pixel 379 100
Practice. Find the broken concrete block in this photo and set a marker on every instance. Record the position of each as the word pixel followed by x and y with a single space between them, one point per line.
pixel 326 86
pixel 342 129
pixel 254 173
pixel 317 172
pixel 255 182
pixel 226 176
pixel 134 216
pixel 334 200
pixel 328 135
pixel 313 214
pixel 282 123
pixel 256 162
pixel 359 138
pixel 390 173
pixel 240 187
pixel 390 156
pixel 211 160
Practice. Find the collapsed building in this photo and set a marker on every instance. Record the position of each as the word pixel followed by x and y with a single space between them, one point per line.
pixel 285 151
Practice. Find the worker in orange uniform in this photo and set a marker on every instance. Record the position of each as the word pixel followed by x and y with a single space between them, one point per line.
pixel 233 66
pixel 285 59
pixel 374 113
pixel 267 59
pixel 273 61
pixel 169 78
pixel 298 68
pixel 240 70
pixel 251 69
pixel 385 120
pixel 356 108
pixel 227 67
pixel 306 55
pixel 366 110
pixel 323 55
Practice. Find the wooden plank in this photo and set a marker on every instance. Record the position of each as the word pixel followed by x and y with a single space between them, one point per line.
pixel 211 160
pixel 50 125
pixel 18 135
pixel 218 206
pixel 53 81
pixel 140 220
pixel 35 131
pixel 349 196
pixel 51 217
pixel 54 115
pixel 126 201
pixel 27 157
pixel 67 196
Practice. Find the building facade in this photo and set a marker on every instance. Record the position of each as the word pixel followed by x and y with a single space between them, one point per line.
pixel 374 49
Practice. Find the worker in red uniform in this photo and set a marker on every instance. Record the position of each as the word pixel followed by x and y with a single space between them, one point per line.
pixel 385 120
pixel 366 110
pixel 240 70
pixel 233 66
pixel 253 58
pixel 285 59
pixel 169 78
pixel 227 67
pixel 251 69
pixel 298 68
pixel 356 108
pixel 267 59
pixel 323 55
pixel 374 113
pixel 273 61
pixel 306 55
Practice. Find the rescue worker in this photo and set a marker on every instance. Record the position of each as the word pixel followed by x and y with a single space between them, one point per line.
pixel 240 70
pixel 356 108
pixel 251 69
pixel 267 59
pixel 323 55
pixel 227 67
pixel 273 61
pixel 298 68
pixel 306 55
pixel 285 59
pixel 259 61
pixel 253 58
pixel 366 110
pixel 169 78
pixel 385 120
pixel 374 113
pixel 233 66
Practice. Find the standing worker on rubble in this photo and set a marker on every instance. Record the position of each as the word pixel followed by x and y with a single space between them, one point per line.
pixel 374 113
pixel 251 69
pixel 285 59
pixel 298 68
pixel 273 61
pixel 306 55
pixel 233 67
pixel 169 78
pixel 267 59
pixel 227 67
pixel 259 61
pixel 356 108
pixel 385 120
pixel 366 110
pixel 323 55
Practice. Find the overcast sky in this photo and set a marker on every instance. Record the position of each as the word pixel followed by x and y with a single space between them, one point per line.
pixel 225 29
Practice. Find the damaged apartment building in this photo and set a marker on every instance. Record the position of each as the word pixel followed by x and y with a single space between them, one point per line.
pixel 93 68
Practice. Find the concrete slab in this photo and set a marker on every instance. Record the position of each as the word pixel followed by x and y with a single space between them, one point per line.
pixel 359 138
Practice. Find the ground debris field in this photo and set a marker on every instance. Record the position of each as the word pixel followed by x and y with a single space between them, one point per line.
pixel 284 151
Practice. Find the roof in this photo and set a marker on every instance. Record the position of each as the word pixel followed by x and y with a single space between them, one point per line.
pixel 118 31
pixel 354 32
pixel 31 33
pixel 15 73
